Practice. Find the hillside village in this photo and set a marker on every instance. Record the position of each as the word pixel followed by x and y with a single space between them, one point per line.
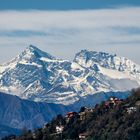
pixel 112 119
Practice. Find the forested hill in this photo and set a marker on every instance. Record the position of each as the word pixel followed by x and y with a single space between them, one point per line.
pixel 111 120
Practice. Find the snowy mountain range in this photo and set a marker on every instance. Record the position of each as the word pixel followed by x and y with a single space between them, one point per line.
pixel 40 86
pixel 36 75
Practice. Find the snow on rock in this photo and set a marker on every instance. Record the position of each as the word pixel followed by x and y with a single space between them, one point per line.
pixel 114 74
pixel 38 76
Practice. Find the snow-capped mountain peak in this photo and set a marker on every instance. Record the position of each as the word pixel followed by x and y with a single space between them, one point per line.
pixel 30 56
pixel 89 58
pixel 37 52
pixel 38 76
pixel 32 53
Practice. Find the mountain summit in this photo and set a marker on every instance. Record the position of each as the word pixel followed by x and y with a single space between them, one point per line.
pixel 31 54
pixel 38 76
pixel 89 58
pixel 32 50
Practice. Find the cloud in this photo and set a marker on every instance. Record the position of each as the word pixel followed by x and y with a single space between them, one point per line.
pixel 63 33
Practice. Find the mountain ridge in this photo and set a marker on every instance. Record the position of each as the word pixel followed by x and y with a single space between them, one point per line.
pixel 113 118
pixel 38 76
pixel 17 114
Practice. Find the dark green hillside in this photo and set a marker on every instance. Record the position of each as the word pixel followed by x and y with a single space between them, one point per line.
pixel 111 120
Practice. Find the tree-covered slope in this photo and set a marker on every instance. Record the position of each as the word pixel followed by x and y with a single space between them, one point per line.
pixel 111 120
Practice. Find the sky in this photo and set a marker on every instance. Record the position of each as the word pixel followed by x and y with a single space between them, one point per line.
pixel 64 27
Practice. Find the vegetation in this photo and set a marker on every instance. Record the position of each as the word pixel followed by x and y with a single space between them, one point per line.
pixel 120 121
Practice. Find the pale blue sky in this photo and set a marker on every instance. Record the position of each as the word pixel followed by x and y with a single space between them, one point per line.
pixel 64 27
